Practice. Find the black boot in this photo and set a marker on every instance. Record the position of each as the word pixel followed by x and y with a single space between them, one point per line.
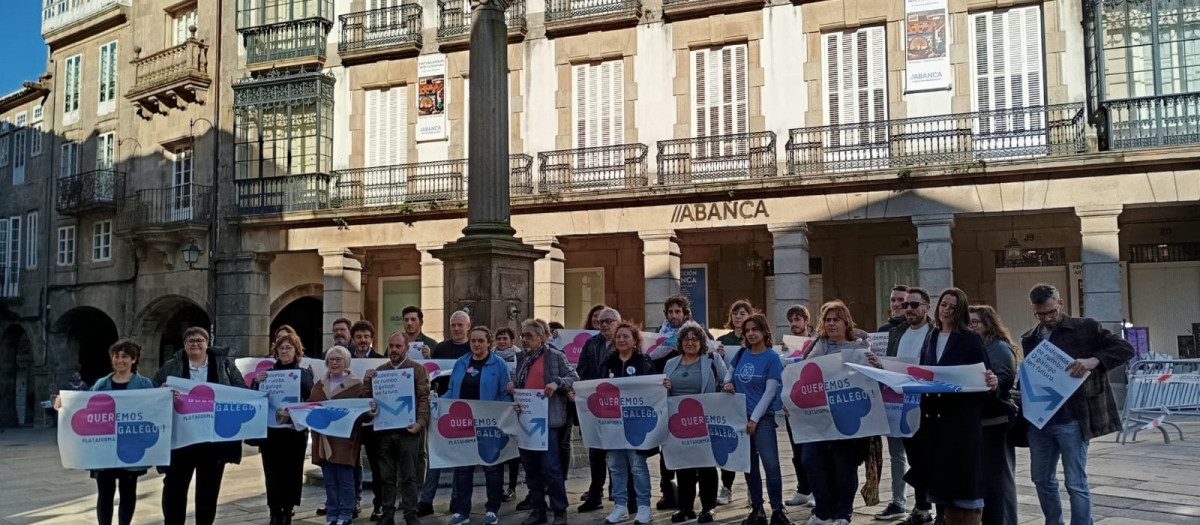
pixel 756 517
pixel 274 517
pixel 667 501
pixel 387 516
pixel 780 518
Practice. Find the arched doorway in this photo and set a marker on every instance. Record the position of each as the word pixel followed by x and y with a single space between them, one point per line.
pixel 305 315
pixel 160 329
pixel 89 332
pixel 172 335
pixel 15 382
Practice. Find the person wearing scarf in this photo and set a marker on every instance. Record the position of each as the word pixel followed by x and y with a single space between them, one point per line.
pixel 283 450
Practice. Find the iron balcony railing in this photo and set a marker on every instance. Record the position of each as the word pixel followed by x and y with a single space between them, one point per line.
pixel 940 139
pixel 620 166
pixel 716 158
pixel 286 40
pixel 418 182
pixel 166 207
pixel 382 27
pixel 454 17
pixel 88 191
pixel 186 60
pixel 558 10
pixel 61 13
pixel 1143 122
pixel 283 193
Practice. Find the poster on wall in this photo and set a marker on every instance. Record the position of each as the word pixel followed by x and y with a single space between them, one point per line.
pixel 431 97
pixel 693 283
pixel 926 47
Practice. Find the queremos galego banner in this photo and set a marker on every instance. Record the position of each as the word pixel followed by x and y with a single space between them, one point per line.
pixel 534 415
pixel 282 387
pixel 571 342
pixel 115 429
pixel 828 401
pixel 251 366
pixel 436 367
pixel 903 383
pixel 707 430
pixel 622 413
pixel 211 412
pixel 395 394
pixel 467 432
pixel 1045 383
pixel 333 417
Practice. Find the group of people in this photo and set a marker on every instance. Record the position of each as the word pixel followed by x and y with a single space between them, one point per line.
pixel 960 461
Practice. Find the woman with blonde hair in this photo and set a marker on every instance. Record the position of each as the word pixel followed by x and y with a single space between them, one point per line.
pixel 999 456
pixel 283 450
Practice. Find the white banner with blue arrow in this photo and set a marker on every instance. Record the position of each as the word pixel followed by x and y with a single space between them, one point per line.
pixel 395 393
pixel 535 408
pixel 1045 383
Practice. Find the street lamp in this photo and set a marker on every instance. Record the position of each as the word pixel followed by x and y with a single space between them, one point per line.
pixel 191 254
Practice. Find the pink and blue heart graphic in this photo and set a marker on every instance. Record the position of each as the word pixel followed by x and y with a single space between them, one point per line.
pixel 321 417
pixel 605 402
pixel 689 422
pixel 848 406
pixel 98 418
pixel 724 440
pixel 575 347
pixel 199 400
pixel 638 421
pixel 262 366
pixel 928 384
pixel 907 402
pixel 228 418
pixel 459 423
pixel 134 439
pixel 671 342
pixel 430 367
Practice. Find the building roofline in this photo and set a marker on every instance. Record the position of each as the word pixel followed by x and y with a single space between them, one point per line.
pixel 28 91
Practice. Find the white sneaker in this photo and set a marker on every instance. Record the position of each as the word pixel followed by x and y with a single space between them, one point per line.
pixel 490 519
pixel 724 496
pixel 460 519
pixel 643 515
pixel 619 514
pixel 842 522
pixel 814 520
pixel 798 499
pixel 812 501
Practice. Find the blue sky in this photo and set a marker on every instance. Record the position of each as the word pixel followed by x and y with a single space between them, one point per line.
pixel 23 53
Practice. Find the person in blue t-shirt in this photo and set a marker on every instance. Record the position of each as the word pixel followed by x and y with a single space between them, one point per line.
pixel 757 372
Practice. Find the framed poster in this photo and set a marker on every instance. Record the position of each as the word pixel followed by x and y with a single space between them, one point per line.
pixel 693 283
pixel 926 46
pixel 431 97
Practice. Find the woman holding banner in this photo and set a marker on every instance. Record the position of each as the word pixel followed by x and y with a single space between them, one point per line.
pixel 337 456
pixel 480 375
pixel 545 368
pixel 694 372
pixel 832 466
pixel 757 371
pixel 124 355
pixel 999 456
pixel 948 465
pixel 283 450
pixel 627 360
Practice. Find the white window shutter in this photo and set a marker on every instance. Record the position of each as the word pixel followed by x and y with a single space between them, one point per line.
pixel 617 102
pixel 372 128
pixel 398 124
pixel 579 103
pixel 700 92
pixel 831 71
pixel 876 74
pixel 603 74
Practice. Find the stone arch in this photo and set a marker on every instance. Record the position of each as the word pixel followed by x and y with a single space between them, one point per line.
pixel 17 388
pixel 85 333
pixel 314 290
pixel 159 328
pixel 304 314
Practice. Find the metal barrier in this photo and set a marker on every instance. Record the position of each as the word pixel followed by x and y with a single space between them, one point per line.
pixel 1158 390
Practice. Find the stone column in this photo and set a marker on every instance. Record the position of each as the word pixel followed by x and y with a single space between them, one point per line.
pixel 432 295
pixel 1101 259
pixel 487 158
pixel 791 270
pixel 343 290
pixel 244 303
pixel 661 252
pixel 549 297
pixel 935 254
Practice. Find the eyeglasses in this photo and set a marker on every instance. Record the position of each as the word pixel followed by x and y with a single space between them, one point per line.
pixel 334 359
pixel 528 335
pixel 196 341
pixel 914 305
pixel 606 321
pixel 1045 315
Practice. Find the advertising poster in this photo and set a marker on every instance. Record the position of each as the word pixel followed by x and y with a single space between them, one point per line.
pixel 282 387
pixel 333 418
pixel 693 284
pixel 1045 383
pixel 926 47
pixel 626 412
pixel 395 393
pixel 828 400
pixel 535 412
pixel 115 429
pixel 571 342
pixel 431 97
pixel 708 430
pixel 209 412
pixel 467 433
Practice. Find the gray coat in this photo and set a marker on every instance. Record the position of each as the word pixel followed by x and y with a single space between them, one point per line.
pixel 557 371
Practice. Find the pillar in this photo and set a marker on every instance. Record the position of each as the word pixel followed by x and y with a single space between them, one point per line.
pixel 660 250
pixel 935 255
pixel 1101 259
pixel 343 290
pixel 791 270
pixel 244 303
pixel 432 296
pixel 549 296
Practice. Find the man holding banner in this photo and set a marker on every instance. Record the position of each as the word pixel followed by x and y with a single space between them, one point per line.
pixel 904 343
pixel 400 459
pixel 198 362
pixel 591 366
pixel 1088 413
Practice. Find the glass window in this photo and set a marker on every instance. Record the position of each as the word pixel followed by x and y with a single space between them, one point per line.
pixel 66 246
pixel 102 241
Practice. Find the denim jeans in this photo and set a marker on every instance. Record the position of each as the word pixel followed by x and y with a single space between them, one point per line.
pixel 833 474
pixel 433 476
pixel 543 474
pixel 1045 447
pixel 764 445
pixel 621 463
pixel 339 491
pixel 798 461
pixel 899 460
pixel 464 485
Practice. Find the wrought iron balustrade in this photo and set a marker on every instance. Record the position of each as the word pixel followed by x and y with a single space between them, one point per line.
pixel 716 158
pixel 560 10
pixel 520 174
pixel 285 193
pixel 419 182
pixel 1144 122
pixel 941 139
pixel 95 190
pixel 599 168
pixel 454 18
pixel 381 27
pixel 286 40
pixel 185 61
pixel 168 207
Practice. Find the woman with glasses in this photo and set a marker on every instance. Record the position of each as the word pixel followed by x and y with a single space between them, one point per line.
pixel 544 367
pixel 947 459
pixel 999 456
pixel 694 372
pixel 479 375
pixel 283 450
pixel 206 461
pixel 627 360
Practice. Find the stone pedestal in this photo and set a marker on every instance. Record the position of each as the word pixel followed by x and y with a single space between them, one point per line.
pixel 791 271
pixel 661 251
pixel 342 291
pixel 243 304
pixel 433 300
pixel 549 275
pixel 490 278
pixel 1101 258
pixel 935 253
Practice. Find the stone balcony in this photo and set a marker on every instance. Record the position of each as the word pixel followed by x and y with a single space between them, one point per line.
pixel 454 23
pixel 65 21
pixel 684 9
pixel 565 17
pixel 171 78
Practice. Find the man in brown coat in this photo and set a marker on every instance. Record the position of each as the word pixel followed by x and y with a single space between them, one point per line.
pixel 400 460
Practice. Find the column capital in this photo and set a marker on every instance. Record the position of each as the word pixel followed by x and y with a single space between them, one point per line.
pixel 341 259
pixel 1104 210
pixel 657 235
pixel 426 247
pixel 937 219
pixel 541 240
pixel 786 228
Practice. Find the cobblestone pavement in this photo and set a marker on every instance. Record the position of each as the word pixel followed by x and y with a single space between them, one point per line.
pixel 1137 483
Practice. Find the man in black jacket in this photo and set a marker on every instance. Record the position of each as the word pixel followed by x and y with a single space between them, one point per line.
pixel 899 292
pixel 591 366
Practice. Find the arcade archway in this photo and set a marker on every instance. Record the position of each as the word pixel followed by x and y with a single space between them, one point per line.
pixel 89 332
pixel 161 325
pixel 305 315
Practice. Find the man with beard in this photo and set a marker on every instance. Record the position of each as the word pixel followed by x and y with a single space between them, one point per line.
pixel 457 346
pixel 591 366
pixel 905 343
pixel 400 451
